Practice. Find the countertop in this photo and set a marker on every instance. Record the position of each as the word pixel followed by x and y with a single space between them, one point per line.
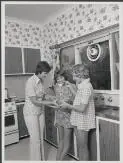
pixel 108 112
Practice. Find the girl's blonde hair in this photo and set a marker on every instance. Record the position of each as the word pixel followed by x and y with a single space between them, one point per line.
pixel 81 71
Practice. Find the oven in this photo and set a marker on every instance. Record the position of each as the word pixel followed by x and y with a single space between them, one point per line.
pixel 11 123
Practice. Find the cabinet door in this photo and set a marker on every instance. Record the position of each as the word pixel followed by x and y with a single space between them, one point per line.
pixel 72 146
pixel 13 60
pixel 92 145
pixel 109 141
pixel 23 131
pixel 31 58
pixel 51 130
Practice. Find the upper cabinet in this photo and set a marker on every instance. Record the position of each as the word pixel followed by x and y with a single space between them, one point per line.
pixel 21 60
pixel 13 60
pixel 31 58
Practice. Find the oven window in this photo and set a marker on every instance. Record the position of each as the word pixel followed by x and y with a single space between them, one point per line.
pixel 100 69
pixel 9 120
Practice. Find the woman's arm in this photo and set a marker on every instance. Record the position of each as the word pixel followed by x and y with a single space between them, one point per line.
pixel 79 108
pixel 40 103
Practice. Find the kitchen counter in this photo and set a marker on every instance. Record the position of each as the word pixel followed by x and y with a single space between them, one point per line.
pixel 20 100
pixel 108 112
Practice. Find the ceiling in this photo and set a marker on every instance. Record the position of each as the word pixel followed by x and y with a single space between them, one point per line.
pixel 38 13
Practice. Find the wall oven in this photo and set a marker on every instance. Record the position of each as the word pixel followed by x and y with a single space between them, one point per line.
pixel 11 123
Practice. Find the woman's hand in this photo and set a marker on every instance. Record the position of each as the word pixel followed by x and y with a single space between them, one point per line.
pixel 64 105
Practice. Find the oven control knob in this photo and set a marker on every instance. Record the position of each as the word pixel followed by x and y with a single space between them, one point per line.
pixel 110 99
pixel 102 98
pixel 95 98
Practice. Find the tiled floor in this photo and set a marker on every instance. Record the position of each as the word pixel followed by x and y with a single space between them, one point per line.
pixel 20 151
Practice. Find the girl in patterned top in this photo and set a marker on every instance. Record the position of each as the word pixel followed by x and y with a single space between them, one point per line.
pixel 62 120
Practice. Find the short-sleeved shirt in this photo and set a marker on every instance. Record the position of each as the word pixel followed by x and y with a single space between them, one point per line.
pixel 86 120
pixel 34 87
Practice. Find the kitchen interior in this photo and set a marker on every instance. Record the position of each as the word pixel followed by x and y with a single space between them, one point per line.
pixel 75 33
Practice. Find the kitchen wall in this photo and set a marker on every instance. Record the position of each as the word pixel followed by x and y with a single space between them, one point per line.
pixel 22 34
pixel 78 20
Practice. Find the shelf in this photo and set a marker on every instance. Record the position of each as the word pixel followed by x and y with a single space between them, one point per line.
pixel 29 74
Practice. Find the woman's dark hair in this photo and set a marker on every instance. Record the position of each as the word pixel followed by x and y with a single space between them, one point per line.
pixel 42 66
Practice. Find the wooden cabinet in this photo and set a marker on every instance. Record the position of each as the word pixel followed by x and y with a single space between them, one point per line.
pixel 50 130
pixel 21 60
pixel 109 141
pixel 31 58
pixel 13 60
pixel 92 145
pixel 73 146
pixel 23 131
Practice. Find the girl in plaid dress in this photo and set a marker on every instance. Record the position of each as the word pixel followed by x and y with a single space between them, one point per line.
pixel 62 120
pixel 82 110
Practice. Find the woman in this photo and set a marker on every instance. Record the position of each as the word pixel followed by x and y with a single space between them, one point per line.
pixel 62 121
pixel 34 109
pixel 83 110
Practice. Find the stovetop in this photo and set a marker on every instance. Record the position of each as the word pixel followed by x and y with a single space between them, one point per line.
pixel 10 106
pixel 8 100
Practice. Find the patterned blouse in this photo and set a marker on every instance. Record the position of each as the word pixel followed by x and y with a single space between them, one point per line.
pixel 63 117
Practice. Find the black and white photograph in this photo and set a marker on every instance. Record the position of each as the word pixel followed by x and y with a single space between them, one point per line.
pixel 61 81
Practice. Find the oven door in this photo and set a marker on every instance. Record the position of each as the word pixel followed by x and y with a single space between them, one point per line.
pixel 11 122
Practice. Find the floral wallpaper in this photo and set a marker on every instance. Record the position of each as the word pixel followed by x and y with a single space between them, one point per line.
pixel 22 34
pixel 93 17
pixel 77 21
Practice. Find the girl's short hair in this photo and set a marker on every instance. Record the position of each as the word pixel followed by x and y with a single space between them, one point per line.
pixel 42 66
pixel 81 71
pixel 58 74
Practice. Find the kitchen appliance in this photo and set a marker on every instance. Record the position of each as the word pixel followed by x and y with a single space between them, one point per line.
pixel 11 123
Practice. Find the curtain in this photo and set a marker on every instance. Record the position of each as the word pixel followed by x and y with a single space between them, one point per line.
pixel 115 59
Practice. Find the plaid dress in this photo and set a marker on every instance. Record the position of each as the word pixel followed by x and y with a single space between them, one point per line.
pixel 86 120
pixel 62 118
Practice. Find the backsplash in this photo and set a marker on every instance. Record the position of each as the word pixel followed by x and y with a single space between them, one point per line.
pixel 16 85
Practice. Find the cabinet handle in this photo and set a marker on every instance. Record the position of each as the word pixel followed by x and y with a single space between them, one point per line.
pixel 110 99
